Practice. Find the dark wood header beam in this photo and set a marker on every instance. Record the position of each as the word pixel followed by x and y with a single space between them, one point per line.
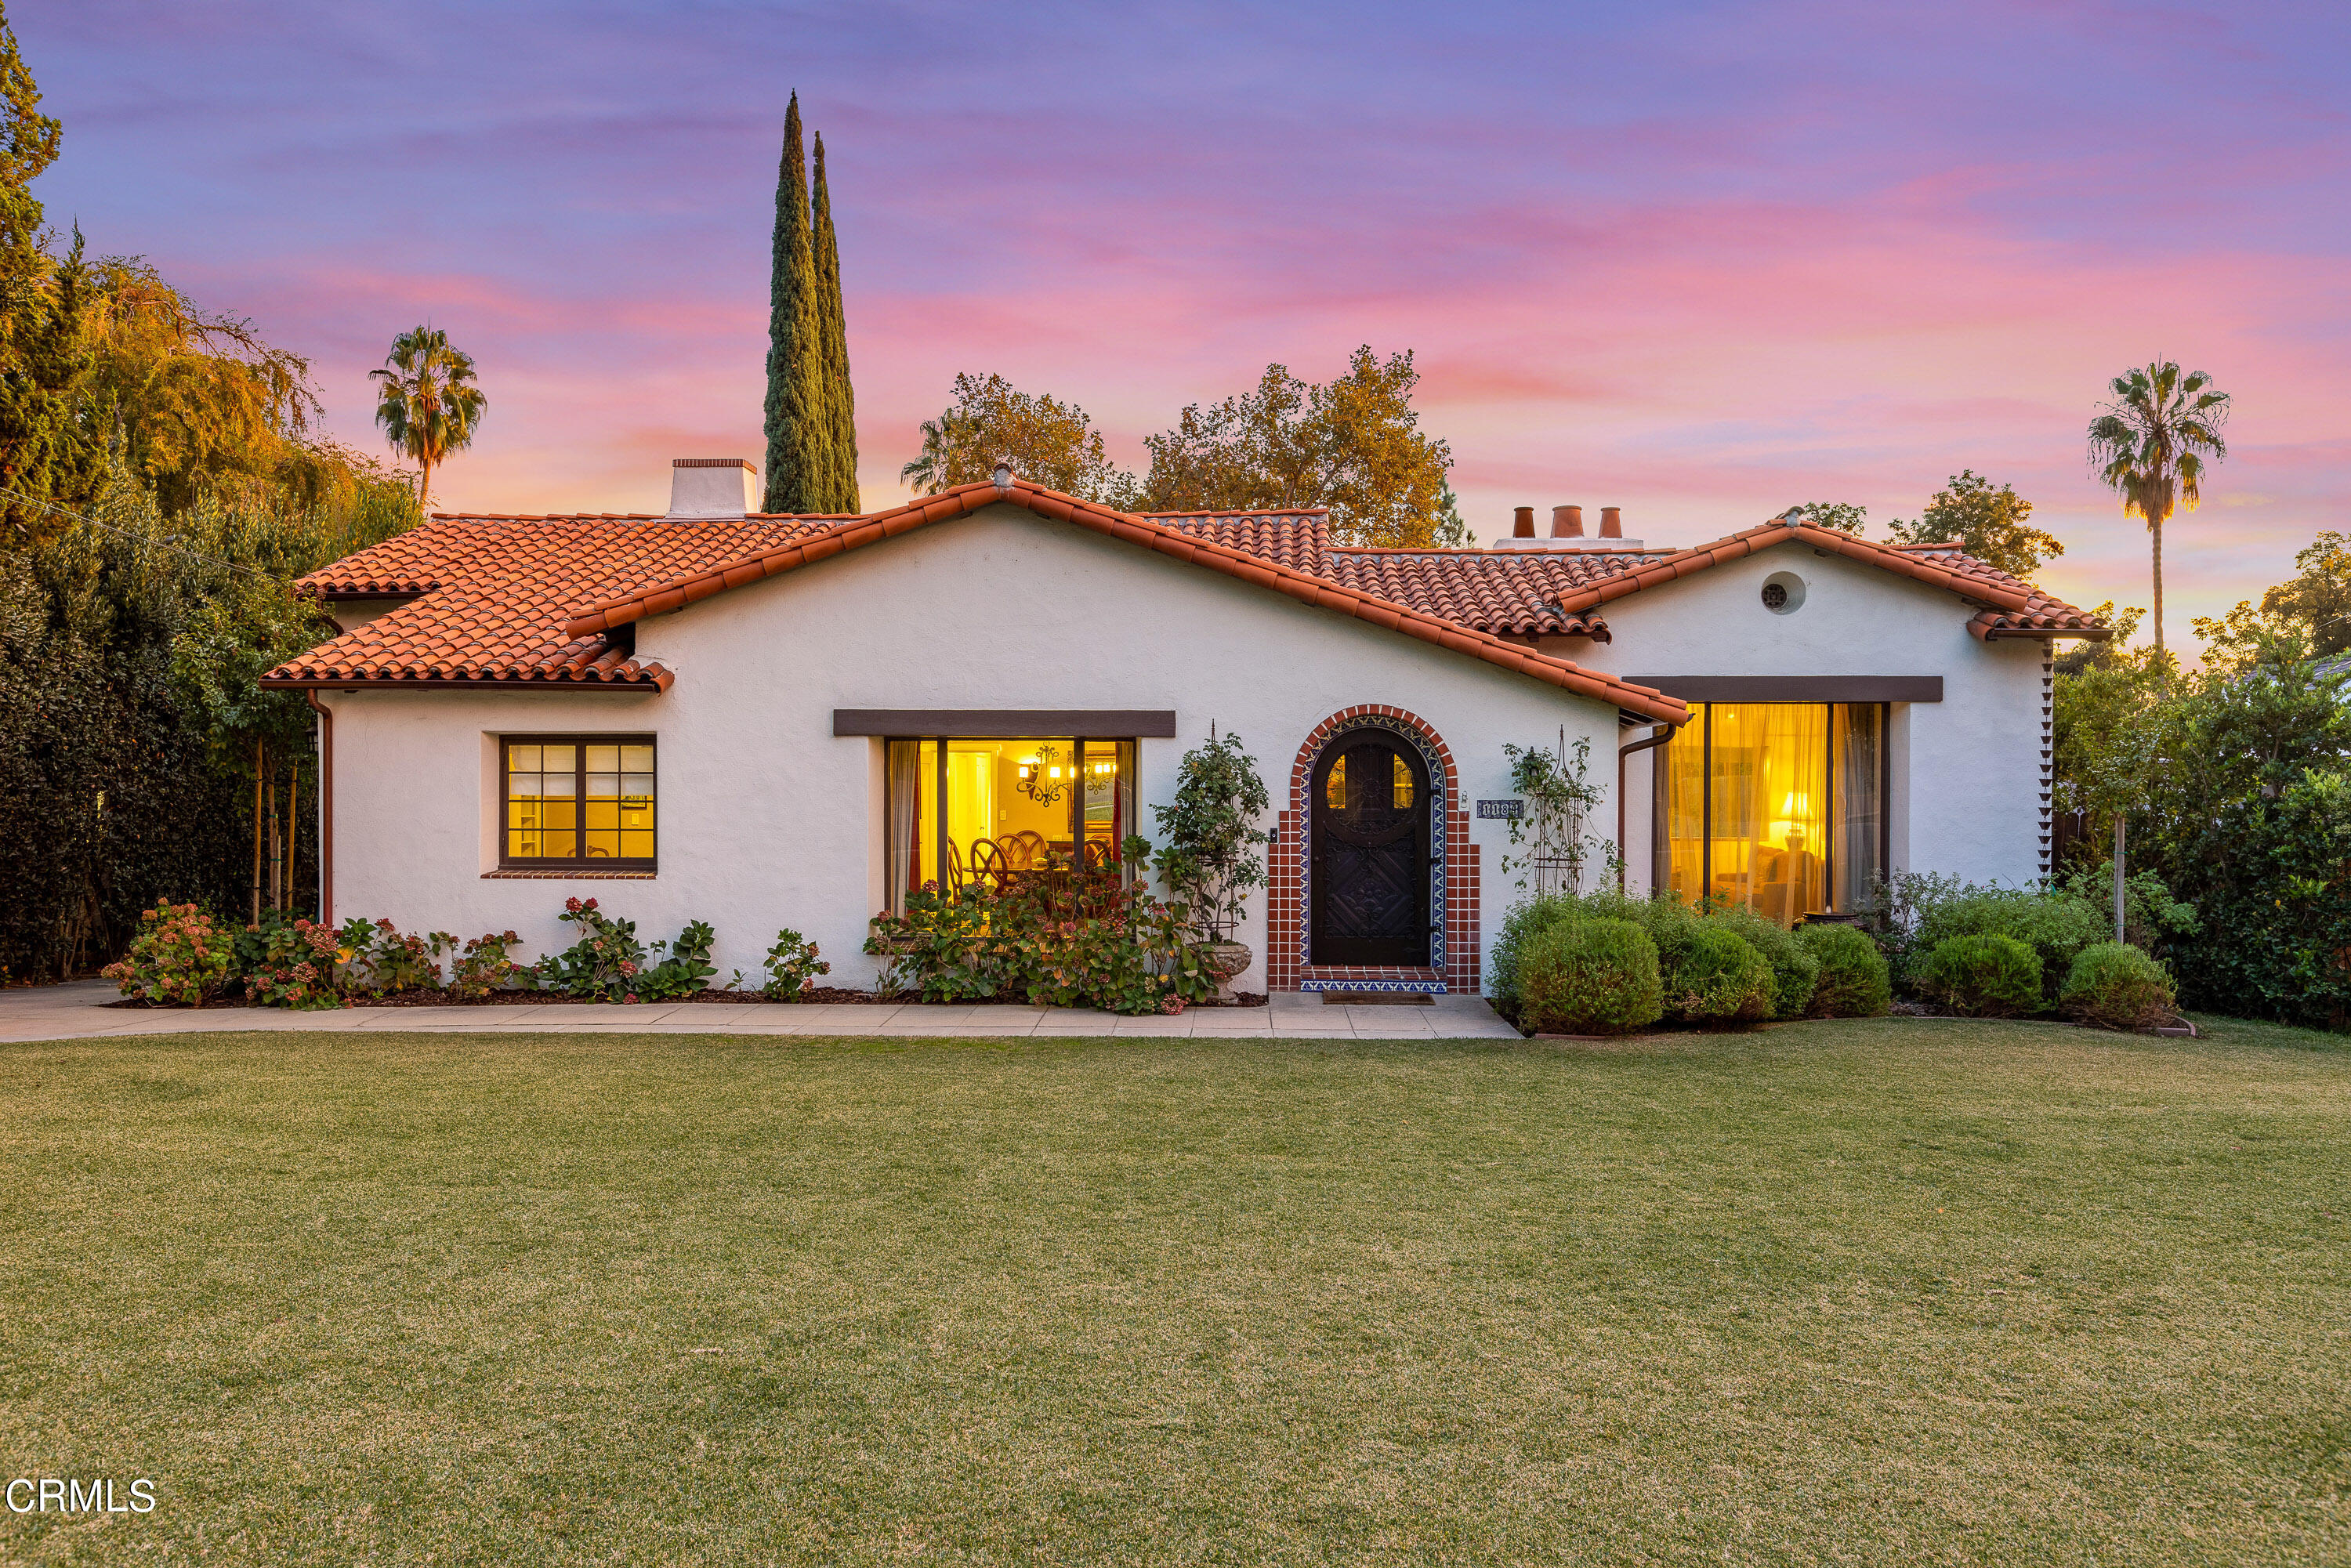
pixel 1002 723
pixel 1797 688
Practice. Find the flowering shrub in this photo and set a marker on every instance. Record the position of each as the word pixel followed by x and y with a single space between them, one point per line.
pixel 1064 939
pixel 177 956
pixel 483 966
pixel 608 963
pixel 377 957
pixel 600 966
pixel 289 963
pixel 792 966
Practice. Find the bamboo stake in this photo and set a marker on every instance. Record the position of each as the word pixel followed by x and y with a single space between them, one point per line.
pixel 257 829
pixel 293 829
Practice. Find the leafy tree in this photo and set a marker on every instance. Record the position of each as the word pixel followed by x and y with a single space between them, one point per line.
pixel 191 397
pixel 2105 731
pixel 1841 516
pixel 840 404
pixel 797 426
pixel 1990 525
pixel 2316 602
pixel 2150 447
pixel 1046 441
pixel 175 490
pixel 46 451
pixel 1353 445
pixel 426 401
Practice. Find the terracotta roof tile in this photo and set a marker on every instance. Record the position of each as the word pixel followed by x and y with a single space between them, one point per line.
pixel 494 593
pixel 1156 534
pixel 2012 607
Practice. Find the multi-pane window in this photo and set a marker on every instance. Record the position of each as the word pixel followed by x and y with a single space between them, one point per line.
pixel 580 800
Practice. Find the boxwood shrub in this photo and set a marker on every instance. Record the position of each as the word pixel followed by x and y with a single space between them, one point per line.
pixel 1590 977
pixel 1794 970
pixel 1854 979
pixel 2115 986
pixel 2055 925
pixel 1981 977
pixel 1720 979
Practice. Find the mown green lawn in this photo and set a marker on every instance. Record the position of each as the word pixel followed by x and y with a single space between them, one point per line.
pixel 1898 1291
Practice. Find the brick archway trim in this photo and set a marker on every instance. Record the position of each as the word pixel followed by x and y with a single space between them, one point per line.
pixel 1454 880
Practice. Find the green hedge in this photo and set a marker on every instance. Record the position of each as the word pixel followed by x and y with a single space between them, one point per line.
pixel 1982 977
pixel 2115 986
pixel 1719 979
pixel 1855 981
pixel 1591 976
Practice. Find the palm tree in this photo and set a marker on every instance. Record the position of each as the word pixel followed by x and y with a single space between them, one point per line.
pixel 944 439
pixel 2150 447
pixel 427 399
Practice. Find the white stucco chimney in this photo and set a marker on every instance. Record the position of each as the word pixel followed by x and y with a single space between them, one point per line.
pixel 713 488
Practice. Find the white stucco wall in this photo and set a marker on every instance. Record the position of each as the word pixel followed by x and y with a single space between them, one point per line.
pixel 768 819
pixel 1965 771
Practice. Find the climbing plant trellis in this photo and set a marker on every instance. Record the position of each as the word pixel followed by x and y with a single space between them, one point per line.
pixel 1558 856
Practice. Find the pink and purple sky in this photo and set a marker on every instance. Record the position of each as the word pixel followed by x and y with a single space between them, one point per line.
pixel 1698 260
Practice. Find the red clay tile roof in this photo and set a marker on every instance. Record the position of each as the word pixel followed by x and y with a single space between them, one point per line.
pixel 510 600
pixel 1300 539
pixel 620 610
pixel 495 589
pixel 2013 608
pixel 1494 590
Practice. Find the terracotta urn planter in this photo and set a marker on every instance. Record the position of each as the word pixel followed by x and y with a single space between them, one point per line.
pixel 1224 960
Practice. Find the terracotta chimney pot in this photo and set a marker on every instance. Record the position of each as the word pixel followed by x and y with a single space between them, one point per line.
pixel 1523 522
pixel 1612 522
pixel 1567 522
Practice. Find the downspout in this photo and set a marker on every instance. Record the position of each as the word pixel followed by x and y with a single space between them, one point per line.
pixel 327 805
pixel 1665 733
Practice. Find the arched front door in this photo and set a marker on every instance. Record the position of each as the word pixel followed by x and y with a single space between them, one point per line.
pixel 1370 846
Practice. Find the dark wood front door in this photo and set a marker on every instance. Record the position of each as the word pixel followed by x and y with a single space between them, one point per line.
pixel 1370 848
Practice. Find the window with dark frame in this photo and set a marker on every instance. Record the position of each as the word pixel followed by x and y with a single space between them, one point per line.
pixel 578 802
pixel 960 809
pixel 1780 807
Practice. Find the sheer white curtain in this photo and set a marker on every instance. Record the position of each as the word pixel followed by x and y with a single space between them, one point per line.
pixel 906 791
pixel 1860 752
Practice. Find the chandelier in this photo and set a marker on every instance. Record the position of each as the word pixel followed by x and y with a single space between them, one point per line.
pixel 1042 778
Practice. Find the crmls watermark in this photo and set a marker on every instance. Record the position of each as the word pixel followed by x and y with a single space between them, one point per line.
pixel 49 1494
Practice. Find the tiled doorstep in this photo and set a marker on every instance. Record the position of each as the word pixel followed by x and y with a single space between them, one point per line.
pixel 78 1012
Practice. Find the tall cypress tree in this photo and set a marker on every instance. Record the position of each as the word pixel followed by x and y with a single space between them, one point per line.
pixel 840 401
pixel 795 343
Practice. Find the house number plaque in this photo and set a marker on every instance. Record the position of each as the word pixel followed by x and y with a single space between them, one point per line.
pixel 1512 810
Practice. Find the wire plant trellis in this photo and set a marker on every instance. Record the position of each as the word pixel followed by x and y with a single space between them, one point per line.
pixel 1559 857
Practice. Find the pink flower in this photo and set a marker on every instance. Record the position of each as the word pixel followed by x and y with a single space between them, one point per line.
pixel 572 906
pixel 627 967
pixel 629 1000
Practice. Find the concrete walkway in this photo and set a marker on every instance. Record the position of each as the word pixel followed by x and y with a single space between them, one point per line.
pixel 78 1012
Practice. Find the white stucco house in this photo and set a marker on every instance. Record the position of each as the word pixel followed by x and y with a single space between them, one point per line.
pixel 766 721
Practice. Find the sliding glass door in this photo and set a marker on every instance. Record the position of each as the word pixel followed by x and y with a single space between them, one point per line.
pixel 1777 806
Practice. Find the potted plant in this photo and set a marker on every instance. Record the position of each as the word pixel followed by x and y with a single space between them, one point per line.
pixel 1212 854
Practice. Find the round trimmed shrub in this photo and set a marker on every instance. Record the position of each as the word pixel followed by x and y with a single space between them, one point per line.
pixel 2115 986
pixel 1720 979
pixel 1855 982
pixel 2054 925
pixel 1794 970
pixel 1590 977
pixel 1982 977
